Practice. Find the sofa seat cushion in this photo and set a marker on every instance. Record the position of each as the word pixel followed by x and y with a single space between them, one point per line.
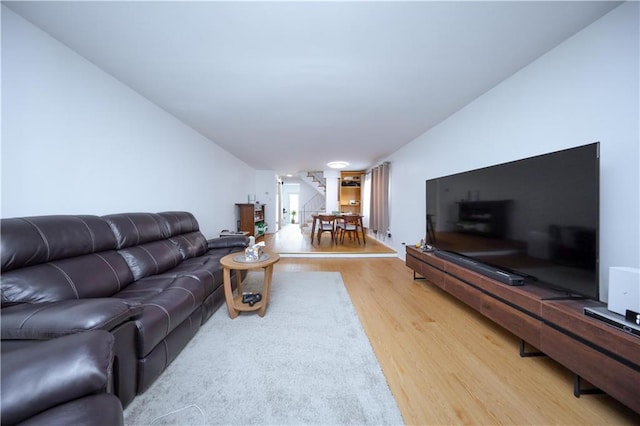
pixel 166 301
pixel 208 271
pixel 88 276
pixel 100 409
pixel 41 321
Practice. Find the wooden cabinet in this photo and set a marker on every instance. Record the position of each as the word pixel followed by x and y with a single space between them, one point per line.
pixel 251 219
pixel 351 192
pixel 547 319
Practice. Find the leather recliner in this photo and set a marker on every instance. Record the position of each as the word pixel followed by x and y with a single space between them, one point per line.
pixel 62 381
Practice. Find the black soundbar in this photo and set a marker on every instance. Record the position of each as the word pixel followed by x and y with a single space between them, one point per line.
pixel 508 278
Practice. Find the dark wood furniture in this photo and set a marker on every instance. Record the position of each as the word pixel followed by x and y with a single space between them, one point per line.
pixel 316 222
pixel 327 223
pixel 251 219
pixel 548 320
pixel 351 224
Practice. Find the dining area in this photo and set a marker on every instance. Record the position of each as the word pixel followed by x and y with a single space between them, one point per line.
pixel 339 226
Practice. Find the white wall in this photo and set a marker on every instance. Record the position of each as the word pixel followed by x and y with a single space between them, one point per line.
pixel 266 192
pixel 332 182
pixel 75 140
pixel 583 91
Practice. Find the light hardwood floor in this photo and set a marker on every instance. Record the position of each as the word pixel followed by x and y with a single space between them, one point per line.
pixel 292 239
pixel 447 364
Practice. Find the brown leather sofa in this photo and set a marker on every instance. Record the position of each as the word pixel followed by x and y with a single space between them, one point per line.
pixel 62 381
pixel 150 279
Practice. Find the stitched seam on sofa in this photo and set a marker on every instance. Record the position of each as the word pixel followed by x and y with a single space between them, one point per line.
pixel 152 258
pixel 177 220
pixel 44 239
pixel 193 296
pixel 194 223
pixel 24 321
pixel 69 280
pixel 166 313
pixel 137 232
pixel 93 240
pixel 112 270
pixel 193 276
pixel 157 224
pixel 181 246
pixel 176 256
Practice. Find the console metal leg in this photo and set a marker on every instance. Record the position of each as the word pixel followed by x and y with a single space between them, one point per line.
pixel 525 354
pixel 578 390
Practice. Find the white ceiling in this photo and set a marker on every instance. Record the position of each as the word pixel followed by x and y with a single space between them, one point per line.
pixel 289 86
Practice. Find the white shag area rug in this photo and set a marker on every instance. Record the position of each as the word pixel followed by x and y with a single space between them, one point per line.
pixel 307 361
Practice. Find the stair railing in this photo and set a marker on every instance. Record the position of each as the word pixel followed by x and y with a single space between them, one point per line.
pixel 311 207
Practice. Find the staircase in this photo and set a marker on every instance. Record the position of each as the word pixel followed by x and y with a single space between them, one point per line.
pixel 315 180
pixel 313 206
pixel 319 180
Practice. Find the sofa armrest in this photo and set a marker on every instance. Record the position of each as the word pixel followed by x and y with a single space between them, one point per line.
pixel 41 321
pixel 46 374
pixel 239 242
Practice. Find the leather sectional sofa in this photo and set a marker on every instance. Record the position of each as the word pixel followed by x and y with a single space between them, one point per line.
pixel 150 279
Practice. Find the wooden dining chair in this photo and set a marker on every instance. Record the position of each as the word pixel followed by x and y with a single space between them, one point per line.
pixel 327 224
pixel 348 224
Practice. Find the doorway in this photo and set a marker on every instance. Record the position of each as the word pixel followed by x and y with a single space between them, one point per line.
pixel 290 202
pixel 294 207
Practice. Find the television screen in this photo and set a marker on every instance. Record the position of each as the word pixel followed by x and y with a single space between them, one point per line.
pixel 536 217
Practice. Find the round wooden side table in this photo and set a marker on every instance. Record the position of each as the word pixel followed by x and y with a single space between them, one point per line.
pixel 237 262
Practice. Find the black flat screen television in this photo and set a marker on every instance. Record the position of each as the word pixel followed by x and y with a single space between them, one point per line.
pixel 537 218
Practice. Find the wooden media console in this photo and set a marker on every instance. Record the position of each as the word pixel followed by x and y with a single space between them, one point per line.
pixel 549 321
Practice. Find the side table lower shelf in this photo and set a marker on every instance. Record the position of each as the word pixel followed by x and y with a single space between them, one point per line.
pixel 234 302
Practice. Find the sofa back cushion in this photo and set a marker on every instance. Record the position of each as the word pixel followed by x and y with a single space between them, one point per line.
pixel 132 229
pixel 185 234
pixel 93 275
pixel 30 241
pixel 151 258
pixel 180 222
pixel 53 258
pixel 190 245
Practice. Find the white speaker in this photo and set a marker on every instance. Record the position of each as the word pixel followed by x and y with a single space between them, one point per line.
pixel 624 289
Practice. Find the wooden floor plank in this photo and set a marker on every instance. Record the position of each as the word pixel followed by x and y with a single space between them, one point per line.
pixel 447 364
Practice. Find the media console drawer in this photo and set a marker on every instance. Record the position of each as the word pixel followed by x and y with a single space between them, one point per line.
pixel 519 323
pixel 463 292
pixel 618 380
pixel 569 315
pixel 425 268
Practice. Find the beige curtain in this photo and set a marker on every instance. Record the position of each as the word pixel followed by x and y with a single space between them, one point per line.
pixel 379 221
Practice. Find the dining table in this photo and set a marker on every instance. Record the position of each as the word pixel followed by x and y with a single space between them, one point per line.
pixel 316 220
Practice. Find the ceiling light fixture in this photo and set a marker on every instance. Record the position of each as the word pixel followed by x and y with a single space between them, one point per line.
pixel 338 164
